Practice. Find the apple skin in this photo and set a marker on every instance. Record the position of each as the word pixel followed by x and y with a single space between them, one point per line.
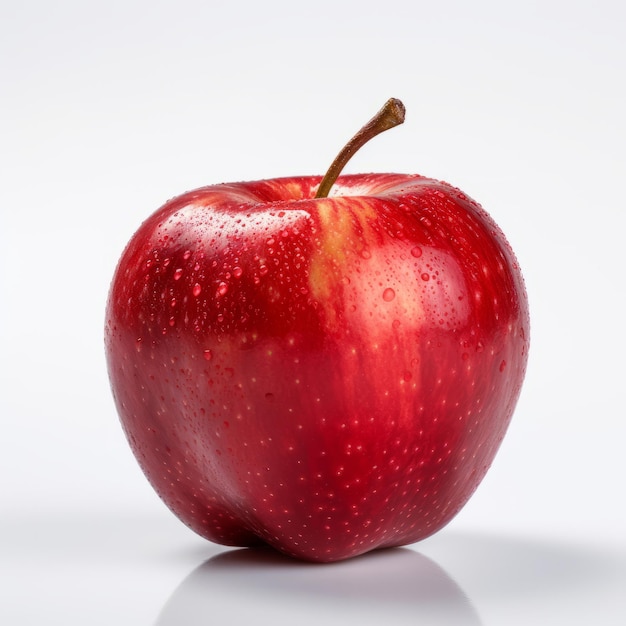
pixel 326 376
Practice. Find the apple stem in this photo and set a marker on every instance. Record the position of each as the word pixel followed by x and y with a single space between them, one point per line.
pixel 392 114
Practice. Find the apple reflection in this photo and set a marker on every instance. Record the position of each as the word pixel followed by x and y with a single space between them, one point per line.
pixel 261 586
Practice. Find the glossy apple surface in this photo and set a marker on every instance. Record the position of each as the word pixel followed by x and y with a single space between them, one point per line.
pixel 326 376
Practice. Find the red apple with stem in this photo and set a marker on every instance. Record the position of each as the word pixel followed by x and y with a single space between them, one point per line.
pixel 327 366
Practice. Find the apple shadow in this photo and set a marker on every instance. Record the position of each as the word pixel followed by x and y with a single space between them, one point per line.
pixel 261 586
pixel 399 586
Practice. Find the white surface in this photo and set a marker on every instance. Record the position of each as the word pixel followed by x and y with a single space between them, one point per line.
pixel 108 109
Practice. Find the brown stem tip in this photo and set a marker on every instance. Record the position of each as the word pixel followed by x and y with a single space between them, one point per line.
pixel 392 114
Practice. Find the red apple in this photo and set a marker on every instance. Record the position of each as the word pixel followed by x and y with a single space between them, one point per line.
pixel 326 375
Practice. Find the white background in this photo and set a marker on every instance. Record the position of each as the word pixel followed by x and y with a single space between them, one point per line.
pixel 110 108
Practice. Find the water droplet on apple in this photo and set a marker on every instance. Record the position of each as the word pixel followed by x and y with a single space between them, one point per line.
pixel 138 344
pixel 187 254
pixel 222 289
pixel 502 366
pixel 389 294
pixel 197 289
pixel 416 252
pixel 425 276
pixel 366 254
pixel 237 272
pixel 263 270
pixel 208 355
pixel 178 273
pixel 407 376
